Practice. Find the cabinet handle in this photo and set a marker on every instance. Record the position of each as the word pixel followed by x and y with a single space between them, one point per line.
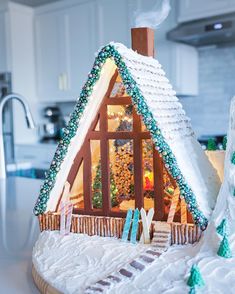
pixel 60 82
pixel 65 81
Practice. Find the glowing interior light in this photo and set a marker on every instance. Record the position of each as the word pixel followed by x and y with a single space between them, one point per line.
pixel 218 26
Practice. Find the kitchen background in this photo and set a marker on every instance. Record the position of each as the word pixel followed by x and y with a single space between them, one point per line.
pixel 48 48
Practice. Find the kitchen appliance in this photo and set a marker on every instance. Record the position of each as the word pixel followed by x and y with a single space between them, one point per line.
pixel 8 134
pixel 214 30
pixel 51 130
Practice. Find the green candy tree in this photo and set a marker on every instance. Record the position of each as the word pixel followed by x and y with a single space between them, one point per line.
pixel 195 279
pixel 224 142
pixel 211 145
pixel 224 248
pixel 233 158
pixel 222 229
pixel 192 291
pixel 97 189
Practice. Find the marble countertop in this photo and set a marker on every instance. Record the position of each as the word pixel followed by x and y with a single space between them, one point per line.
pixel 19 230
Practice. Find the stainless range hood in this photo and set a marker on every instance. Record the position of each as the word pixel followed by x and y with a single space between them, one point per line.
pixel 216 30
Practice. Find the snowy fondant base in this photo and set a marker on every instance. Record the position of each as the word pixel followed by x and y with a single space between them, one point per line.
pixel 72 263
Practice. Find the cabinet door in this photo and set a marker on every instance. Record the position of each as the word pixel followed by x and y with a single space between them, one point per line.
pixel 81 45
pixel 49 54
pixel 114 22
pixel 190 9
pixel 3 55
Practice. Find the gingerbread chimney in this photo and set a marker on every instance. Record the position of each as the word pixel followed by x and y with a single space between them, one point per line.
pixel 143 41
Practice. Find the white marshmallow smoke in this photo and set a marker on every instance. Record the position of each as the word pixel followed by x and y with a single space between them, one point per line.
pixel 154 17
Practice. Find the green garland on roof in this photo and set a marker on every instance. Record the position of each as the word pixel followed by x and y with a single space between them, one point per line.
pixel 142 108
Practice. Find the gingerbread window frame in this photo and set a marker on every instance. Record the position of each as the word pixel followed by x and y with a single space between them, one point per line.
pixel 104 135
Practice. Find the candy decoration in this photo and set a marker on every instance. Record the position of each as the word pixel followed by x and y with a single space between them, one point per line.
pixel 224 248
pixel 69 218
pixel 222 229
pixel 62 218
pixel 66 192
pixel 66 210
pixel 211 145
pixel 195 279
pixel 145 226
pixel 127 225
pixel 148 222
pixel 174 202
pixel 135 225
pixel 183 209
pixel 233 158
pixel 225 142
pixel 192 291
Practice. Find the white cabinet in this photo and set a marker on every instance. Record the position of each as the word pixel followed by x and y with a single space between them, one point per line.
pixel 50 56
pixel 192 10
pixel 3 53
pixel 69 33
pixel 113 21
pixel 184 73
pixel 66 41
pixel 17 56
pixel 81 44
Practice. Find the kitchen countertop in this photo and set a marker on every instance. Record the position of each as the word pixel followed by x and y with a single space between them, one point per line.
pixel 19 230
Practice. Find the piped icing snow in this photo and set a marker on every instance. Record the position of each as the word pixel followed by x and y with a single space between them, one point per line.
pixel 72 263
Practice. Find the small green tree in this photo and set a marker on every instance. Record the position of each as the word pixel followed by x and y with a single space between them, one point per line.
pixel 192 291
pixel 225 139
pixel 224 249
pixel 222 229
pixel 195 279
pixel 233 158
pixel 113 190
pixel 211 144
pixel 97 189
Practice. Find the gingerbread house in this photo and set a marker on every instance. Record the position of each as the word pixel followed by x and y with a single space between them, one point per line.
pixel 129 144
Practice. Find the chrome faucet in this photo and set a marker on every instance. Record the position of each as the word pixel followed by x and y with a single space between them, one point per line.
pixel 29 120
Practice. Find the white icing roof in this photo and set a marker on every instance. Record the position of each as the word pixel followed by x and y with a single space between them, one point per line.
pixel 158 93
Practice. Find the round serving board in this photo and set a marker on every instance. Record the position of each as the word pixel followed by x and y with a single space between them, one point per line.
pixel 43 286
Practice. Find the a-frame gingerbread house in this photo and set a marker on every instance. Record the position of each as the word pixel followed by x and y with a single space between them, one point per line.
pixel 128 144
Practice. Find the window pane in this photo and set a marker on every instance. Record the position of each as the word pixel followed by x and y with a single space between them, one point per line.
pixel 169 191
pixel 96 174
pixel 97 127
pixel 120 118
pixel 77 196
pixel 121 174
pixel 143 127
pixel 118 89
pixel 148 175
